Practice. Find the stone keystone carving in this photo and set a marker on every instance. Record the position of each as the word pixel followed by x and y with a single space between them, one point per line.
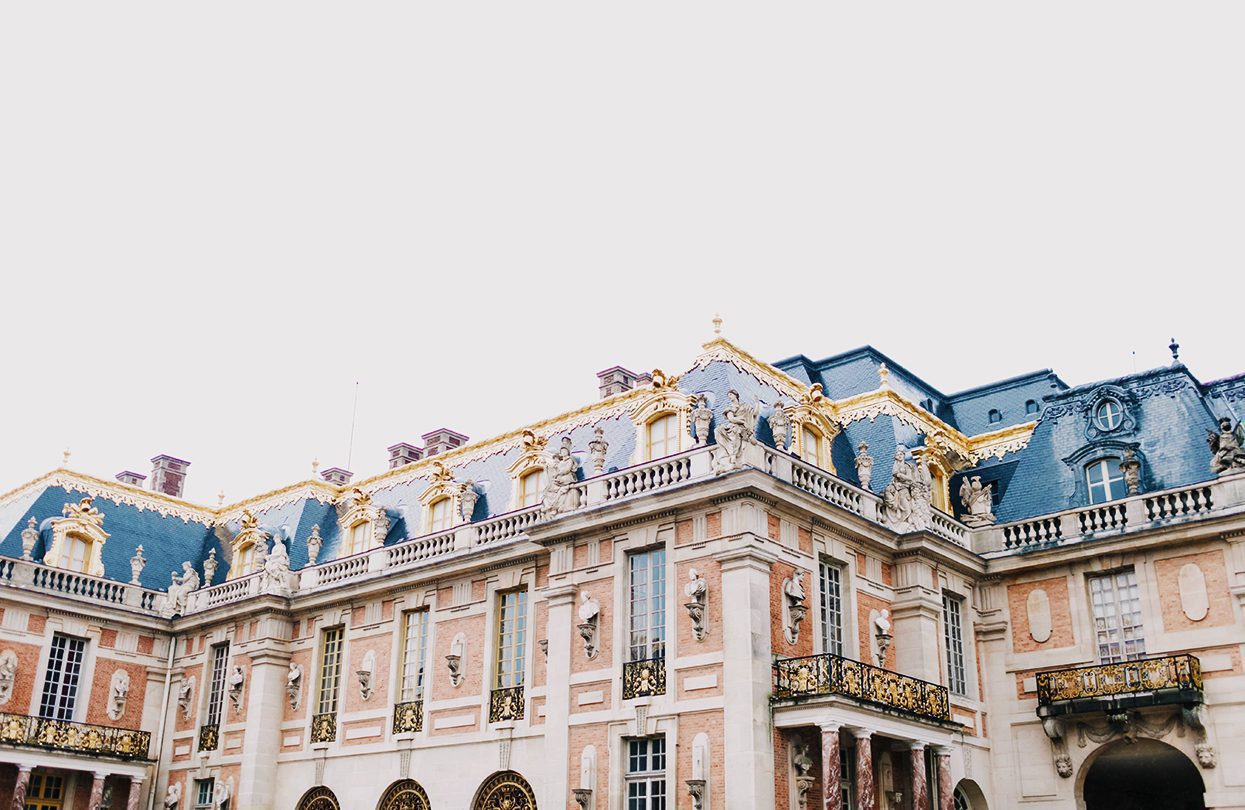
pixel 977 499
pixel 793 606
pixel 589 616
pixel 737 431
pixel 1227 457
pixel 697 591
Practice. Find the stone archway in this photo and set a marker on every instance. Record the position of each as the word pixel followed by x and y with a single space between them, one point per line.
pixel 968 795
pixel 318 798
pixel 505 790
pixel 1141 775
pixel 405 794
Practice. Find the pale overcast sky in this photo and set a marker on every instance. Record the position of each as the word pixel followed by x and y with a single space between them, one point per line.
pixel 215 218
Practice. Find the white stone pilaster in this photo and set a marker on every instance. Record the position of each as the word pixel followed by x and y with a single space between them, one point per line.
pixel 261 742
pixel 561 600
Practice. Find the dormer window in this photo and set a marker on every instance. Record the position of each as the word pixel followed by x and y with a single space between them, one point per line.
pixel 78 539
pixel 531 486
pixel 1105 480
pixel 663 435
pixel 77 553
pixel 358 538
pixel 995 416
pixel 1031 407
pixel 811 446
pixel 440 515
pixel 249 547
pixel 1108 415
pixel 243 560
pixel 364 525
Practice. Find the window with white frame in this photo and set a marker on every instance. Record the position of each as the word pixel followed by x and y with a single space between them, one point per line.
pixel 953 640
pixel 1108 415
pixel 216 689
pixel 414 639
pixel 663 435
pixel 77 554
pixel 359 537
pixel 647 602
pixel 531 487
pixel 330 670
pixel 1105 480
pixel 1116 602
pixel 646 773
pixel 831 585
pixel 204 793
pixel 60 679
pixel 511 638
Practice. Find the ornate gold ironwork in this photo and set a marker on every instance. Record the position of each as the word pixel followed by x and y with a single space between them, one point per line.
pixel 505 704
pixel 324 727
pixel 78 738
pixel 408 717
pixel 505 790
pixel 833 675
pixel 319 798
pixel 1182 672
pixel 644 678
pixel 209 737
pixel 406 794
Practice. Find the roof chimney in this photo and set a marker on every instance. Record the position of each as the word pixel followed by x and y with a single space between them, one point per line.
pixel 615 380
pixel 442 440
pixel 131 478
pixel 337 476
pixel 168 475
pixel 402 454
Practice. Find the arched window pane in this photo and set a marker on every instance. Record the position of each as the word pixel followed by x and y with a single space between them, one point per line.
pixel 1105 480
pixel 811 443
pixel 440 515
pixel 530 487
pixel 663 436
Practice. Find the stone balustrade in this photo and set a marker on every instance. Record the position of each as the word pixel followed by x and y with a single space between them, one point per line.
pixel 38 577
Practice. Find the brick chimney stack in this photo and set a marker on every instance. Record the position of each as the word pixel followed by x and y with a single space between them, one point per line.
pixel 131 478
pixel 402 454
pixel 337 476
pixel 168 475
pixel 442 440
pixel 615 380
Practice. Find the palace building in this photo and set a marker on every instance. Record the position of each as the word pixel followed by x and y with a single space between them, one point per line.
pixel 806 584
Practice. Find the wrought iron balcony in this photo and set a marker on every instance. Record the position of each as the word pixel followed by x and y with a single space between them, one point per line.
pixel 408 717
pixel 1167 679
pixel 816 675
pixel 209 736
pixel 74 738
pixel 644 678
pixel 324 727
pixel 506 704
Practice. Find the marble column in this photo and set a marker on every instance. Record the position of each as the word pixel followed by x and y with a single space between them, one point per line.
pixel 97 791
pixel 21 786
pixel 136 791
pixel 831 768
pixel 920 788
pixel 866 796
pixel 945 799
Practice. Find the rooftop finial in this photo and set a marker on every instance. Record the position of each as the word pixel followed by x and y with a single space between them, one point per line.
pixel 220 499
pixel 65 458
pixel 717 324
pixel 315 467
pixel 1175 350
pixel 883 375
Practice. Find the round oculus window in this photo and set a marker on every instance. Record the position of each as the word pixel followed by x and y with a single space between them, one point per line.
pixel 1108 415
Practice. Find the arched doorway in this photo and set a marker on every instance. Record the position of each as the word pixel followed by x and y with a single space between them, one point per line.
pixel 405 794
pixel 505 790
pixel 318 798
pixel 1141 775
pixel 968 796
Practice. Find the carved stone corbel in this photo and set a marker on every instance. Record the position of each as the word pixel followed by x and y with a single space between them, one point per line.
pixel 454 661
pixel 696 789
pixel 589 620
pixel 697 592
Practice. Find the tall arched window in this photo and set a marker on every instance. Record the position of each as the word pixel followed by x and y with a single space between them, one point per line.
pixel 663 435
pixel 440 517
pixel 811 446
pixel 531 485
pixel 77 553
pixel 358 537
pixel 243 560
pixel 1105 480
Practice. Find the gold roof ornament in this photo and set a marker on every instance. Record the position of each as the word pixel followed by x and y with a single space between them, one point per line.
pixel 441 474
pixel 65 457
pixel 813 396
pixel 532 442
pixel 83 511
pixel 884 374
pixel 717 324
pixel 659 378
pixel 249 521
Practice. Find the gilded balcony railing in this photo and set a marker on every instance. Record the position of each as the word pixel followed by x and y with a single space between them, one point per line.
pixel 814 675
pixel 505 704
pixel 644 678
pixel 408 717
pixel 74 738
pixel 324 727
pixel 1179 673
pixel 209 737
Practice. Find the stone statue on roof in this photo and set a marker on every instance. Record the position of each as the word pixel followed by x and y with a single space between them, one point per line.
pixel 906 500
pixel 275 579
pixel 779 423
pixel 1227 457
pixel 738 430
pixel 562 484
pixel 977 499
pixel 598 447
pixel 864 465
pixel 467 500
pixel 702 417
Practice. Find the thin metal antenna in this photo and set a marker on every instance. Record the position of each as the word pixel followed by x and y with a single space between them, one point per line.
pixel 353 415
pixel 1134 361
